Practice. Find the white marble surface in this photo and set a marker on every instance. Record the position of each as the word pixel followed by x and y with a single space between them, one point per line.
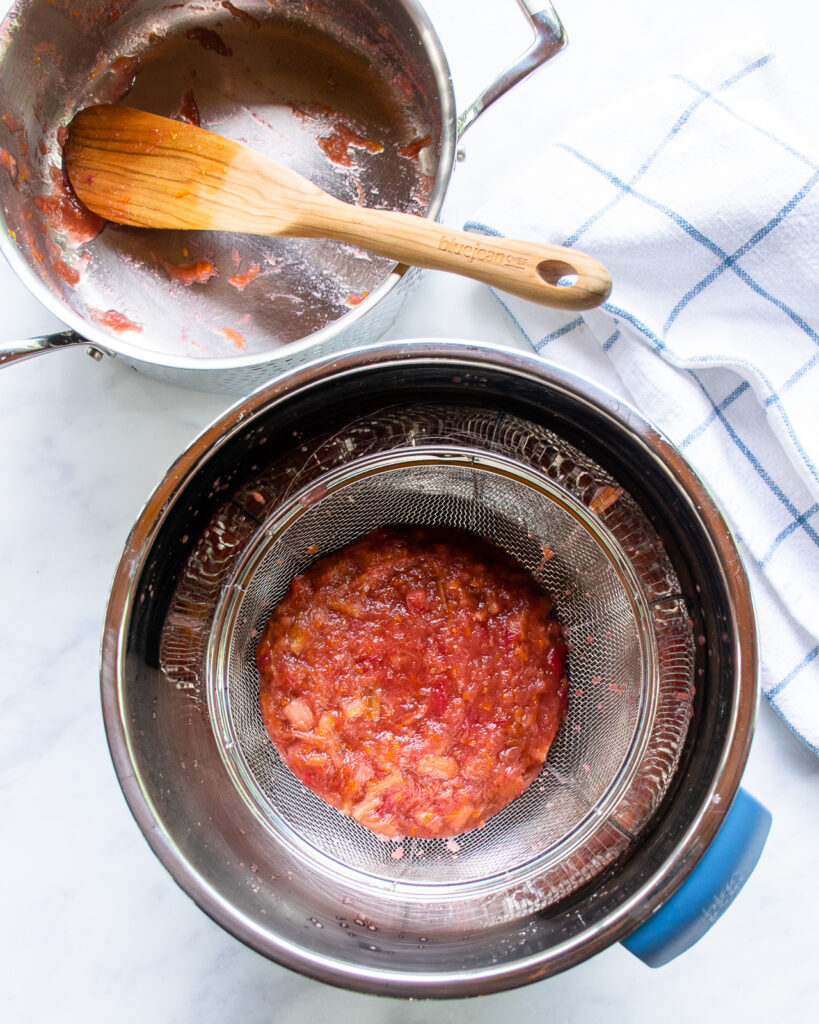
pixel 91 926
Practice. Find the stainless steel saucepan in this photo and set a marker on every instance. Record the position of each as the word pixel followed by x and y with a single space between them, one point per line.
pixel 355 95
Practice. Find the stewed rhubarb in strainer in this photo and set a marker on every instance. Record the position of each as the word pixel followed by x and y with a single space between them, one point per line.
pixel 415 680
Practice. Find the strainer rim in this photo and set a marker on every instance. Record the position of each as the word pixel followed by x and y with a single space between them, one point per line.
pixel 228 610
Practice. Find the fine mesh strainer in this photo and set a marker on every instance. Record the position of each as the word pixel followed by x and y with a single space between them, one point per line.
pixel 558 514
pixel 607 518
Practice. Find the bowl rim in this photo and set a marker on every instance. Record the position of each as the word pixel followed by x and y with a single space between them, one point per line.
pixel 713 804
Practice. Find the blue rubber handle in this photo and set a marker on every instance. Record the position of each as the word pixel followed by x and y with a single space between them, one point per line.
pixel 709 890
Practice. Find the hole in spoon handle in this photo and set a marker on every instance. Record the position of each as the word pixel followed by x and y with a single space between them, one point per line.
pixel 574 280
pixel 557 273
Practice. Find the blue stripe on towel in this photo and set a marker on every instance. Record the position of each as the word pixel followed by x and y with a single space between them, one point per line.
pixel 777 688
pixel 773 397
pixel 763 474
pixel 750 124
pixel 794 379
pixel 698 235
pixel 558 333
pixel 673 131
pixel 720 415
pixel 712 416
pixel 784 534
pixel 612 339
pixel 730 262
pixel 617 181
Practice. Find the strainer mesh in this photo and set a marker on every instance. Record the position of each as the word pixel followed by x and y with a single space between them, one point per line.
pixel 584 539
pixel 610 684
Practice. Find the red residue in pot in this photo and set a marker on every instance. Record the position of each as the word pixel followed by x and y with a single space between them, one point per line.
pixel 354 298
pixel 413 149
pixel 241 281
pixel 14 125
pixel 127 66
pixel 548 555
pixel 236 338
pixel 31 244
pixel 48 48
pixel 604 497
pixel 414 680
pixel 191 273
pixel 243 16
pixel 67 273
pixel 8 161
pixel 113 319
pixel 423 190
pixel 124 67
pixel 66 214
pixel 115 80
pixel 16 165
pixel 210 40
pixel 62 269
pixel 338 145
pixel 311 111
pixel 188 110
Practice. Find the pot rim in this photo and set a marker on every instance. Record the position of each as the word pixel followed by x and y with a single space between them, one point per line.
pixel 712 806
pixel 94 334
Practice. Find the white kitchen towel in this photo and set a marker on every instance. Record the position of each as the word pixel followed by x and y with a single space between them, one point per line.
pixel 701 198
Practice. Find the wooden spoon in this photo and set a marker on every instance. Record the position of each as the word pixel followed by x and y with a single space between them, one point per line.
pixel 136 168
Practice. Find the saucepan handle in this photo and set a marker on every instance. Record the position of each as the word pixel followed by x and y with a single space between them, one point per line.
pixel 724 868
pixel 10 351
pixel 550 38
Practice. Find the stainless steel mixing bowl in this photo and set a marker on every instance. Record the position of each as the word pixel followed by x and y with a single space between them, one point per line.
pixel 275 887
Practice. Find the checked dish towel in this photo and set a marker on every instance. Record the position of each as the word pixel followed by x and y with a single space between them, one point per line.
pixel 702 199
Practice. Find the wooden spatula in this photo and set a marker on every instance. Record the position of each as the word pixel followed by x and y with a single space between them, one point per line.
pixel 136 168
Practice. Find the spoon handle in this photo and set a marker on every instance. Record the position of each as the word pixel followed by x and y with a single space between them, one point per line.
pixel 135 168
pixel 528 269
